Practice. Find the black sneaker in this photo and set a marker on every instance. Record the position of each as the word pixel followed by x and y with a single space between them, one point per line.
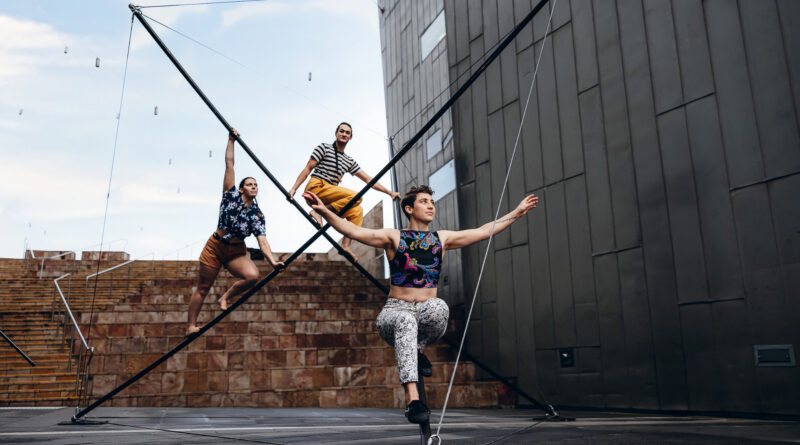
pixel 417 412
pixel 424 365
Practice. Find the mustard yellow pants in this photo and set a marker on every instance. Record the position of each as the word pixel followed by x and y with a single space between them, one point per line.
pixel 336 198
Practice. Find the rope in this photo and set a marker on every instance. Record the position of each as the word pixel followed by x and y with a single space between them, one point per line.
pixel 111 174
pixel 201 3
pixel 513 433
pixel 190 433
pixel 494 223
pixel 253 70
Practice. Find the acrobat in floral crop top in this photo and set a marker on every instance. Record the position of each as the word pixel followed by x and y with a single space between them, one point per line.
pixel 418 260
pixel 237 219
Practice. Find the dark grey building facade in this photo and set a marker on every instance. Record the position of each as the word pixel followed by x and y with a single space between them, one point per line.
pixel 662 268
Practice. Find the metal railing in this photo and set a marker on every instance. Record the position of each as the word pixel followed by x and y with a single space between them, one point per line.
pixel 79 350
pixel 177 253
pixel 120 265
pixel 85 353
pixel 40 272
pixel 107 245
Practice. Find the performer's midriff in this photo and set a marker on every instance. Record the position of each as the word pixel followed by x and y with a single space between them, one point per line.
pixel 411 294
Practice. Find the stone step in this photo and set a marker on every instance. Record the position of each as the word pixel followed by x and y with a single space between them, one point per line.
pixel 473 395
pixel 37 385
pixel 257 378
pixel 41 369
pixel 69 400
pixel 37 394
pixel 26 378
pixel 260 356
pixel 40 358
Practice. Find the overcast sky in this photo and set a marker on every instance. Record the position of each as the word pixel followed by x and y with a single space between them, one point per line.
pixel 58 117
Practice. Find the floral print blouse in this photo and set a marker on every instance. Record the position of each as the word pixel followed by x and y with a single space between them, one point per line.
pixel 239 221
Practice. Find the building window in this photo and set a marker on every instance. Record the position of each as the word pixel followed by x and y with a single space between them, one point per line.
pixel 434 143
pixel 432 35
pixel 443 181
pixel 447 138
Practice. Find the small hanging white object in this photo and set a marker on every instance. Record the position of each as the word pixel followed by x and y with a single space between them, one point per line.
pixel 155 111
pixel 97 62
pixel 66 49
pixel 179 190
pixel 170 161
pixel 309 76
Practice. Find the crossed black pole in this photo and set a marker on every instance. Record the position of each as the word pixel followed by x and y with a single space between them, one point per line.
pixel 321 231
pixel 25 356
pixel 241 142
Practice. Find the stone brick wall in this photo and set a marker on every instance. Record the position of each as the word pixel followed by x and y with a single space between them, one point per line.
pixel 306 339
pixel 369 257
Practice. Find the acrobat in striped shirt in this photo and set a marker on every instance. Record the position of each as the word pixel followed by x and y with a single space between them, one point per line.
pixel 331 164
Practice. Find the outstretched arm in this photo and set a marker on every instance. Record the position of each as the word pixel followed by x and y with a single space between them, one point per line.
pixel 366 178
pixel 463 238
pixel 380 238
pixel 230 178
pixel 265 249
pixel 301 178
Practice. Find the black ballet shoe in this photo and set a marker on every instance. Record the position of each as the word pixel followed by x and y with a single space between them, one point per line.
pixel 417 412
pixel 424 365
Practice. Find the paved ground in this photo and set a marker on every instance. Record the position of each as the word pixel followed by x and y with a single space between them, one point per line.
pixel 376 426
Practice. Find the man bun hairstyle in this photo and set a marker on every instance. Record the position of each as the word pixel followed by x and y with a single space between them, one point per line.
pixel 411 196
pixel 340 126
pixel 241 183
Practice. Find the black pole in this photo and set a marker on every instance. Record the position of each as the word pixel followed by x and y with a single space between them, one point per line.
pixel 25 356
pixel 319 232
pixel 424 427
pixel 138 13
pixel 410 143
pixel 185 342
pixel 396 204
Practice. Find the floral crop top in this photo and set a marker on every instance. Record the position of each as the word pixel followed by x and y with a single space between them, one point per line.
pixel 418 260
pixel 239 221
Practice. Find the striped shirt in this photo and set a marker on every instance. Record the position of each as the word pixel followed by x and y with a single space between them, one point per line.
pixel 331 164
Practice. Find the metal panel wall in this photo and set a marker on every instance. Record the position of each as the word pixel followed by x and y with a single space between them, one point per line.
pixel 663 137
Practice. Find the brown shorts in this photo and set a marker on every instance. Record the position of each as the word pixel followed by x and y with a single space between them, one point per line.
pixel 218 253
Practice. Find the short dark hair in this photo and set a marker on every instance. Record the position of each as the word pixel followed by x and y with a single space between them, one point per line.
pixel 411 196
pixel 344 123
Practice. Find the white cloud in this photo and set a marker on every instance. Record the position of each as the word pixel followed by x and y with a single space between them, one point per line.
pixel 7 123
pixel 250 10
pixel 362 9
pixel 24 35
pixel 154 194
pixel 56 155
pixel 26 45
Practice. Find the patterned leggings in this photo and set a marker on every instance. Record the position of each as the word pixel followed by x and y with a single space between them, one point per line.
pixel 411 326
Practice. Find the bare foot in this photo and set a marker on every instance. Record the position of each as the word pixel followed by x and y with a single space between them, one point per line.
pixel 351 254
pixel 223 304
pixel 191 330
pixel 317 217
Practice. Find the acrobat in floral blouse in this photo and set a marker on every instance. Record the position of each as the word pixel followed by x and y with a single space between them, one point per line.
pixel 238 220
